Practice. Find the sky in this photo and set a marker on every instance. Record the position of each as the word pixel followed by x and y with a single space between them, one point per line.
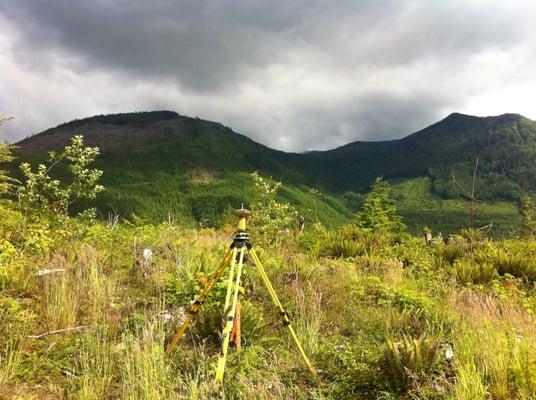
pixel 293 75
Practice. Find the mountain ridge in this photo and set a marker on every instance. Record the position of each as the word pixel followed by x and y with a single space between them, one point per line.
pixel 163 115
pixel 161 153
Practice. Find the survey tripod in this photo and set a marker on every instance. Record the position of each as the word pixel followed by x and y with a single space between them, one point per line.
pixel 234 260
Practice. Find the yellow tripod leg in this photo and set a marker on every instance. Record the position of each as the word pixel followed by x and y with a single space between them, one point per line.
pixel 282 312
pixel 226 333
pixel 230 281
pixel 199 299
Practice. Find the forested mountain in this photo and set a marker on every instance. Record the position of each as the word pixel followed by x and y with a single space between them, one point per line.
pixel 504 145
pixel 160 162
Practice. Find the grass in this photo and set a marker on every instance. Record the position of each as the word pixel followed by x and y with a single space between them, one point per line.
pixel 10 360
pixel 95 365
pixel 377 322
pixel 146 371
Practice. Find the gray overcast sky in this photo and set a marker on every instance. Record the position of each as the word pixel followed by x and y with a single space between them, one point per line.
pixel 294 75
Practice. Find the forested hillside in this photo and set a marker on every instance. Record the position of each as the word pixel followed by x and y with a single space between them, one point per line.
pixel 505 146
pixel 161 163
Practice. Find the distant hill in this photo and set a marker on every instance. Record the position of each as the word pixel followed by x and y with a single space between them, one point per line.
pixel 160 162
pixel 166 141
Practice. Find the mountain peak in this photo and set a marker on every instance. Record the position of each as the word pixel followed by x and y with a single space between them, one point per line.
pixel 458 117
pixel 124 118
pixel 460 123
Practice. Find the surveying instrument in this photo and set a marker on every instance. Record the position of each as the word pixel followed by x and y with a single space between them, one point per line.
pixel 234 260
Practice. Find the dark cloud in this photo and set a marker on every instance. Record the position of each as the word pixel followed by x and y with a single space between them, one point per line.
pixel 295 75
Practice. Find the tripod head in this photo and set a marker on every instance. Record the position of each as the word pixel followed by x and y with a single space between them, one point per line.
pixel 242 214
pixel 241 236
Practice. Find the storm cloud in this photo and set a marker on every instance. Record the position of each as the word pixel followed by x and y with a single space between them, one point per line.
pixel 294 75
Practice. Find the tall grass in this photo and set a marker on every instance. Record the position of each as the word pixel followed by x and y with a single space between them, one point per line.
pixel 97 367
pixel 10 360
pixel 146 372
pixel 469 383
pixel 61 301
pixel 309 318
pixel 492 360
pixel 83 288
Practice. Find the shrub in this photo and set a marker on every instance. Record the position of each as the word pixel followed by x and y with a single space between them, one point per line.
pixel 7 252
pixel 5 157
pixel 41 191
pixel 337 247
pixel 528 215
pixel 350 366
pixel 518 265
pixel 270 217
pixel 453 250
pixel 469 271
pixel 410 362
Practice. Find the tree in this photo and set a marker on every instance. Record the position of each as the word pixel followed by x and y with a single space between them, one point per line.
pixel 379 211
pixel 41 191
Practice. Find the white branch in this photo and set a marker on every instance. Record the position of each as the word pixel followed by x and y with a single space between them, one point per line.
pixel 49 271
pixel 72 328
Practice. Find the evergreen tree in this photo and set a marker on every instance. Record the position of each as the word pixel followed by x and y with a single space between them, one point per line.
pixel 379 211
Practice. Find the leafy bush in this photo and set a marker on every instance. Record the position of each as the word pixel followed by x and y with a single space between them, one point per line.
pixel 7 251
pixel 270 217
pixel 5 157
pixel 41 191
pixel 528 215
pixel 350 365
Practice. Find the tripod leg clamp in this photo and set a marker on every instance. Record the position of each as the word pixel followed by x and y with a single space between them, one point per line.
pixel 285 317
pixel 225 317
